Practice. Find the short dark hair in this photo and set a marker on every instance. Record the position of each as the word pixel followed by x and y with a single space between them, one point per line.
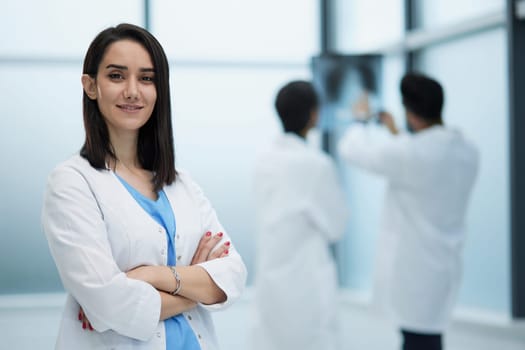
pixel 422 96
pixel 155 144
pixel 294 104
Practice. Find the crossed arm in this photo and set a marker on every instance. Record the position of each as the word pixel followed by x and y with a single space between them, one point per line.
pixel 196 285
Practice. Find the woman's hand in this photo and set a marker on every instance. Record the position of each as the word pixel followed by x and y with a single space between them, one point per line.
pixel 206 244
pixel 161 277
pixel 83 318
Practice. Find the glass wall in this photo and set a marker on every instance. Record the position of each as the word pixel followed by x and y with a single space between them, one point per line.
pixel 366 26
pixel 440 13
pixel 269 31
pixel 59 29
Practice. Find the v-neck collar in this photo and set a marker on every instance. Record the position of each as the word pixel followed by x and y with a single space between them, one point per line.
pixel 129 187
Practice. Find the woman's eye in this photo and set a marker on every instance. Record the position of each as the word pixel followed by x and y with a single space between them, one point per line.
pixel 148 79
pixel 115 76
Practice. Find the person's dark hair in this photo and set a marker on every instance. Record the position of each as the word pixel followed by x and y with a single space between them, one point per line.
pixel 422 96
pixel 155 143
pixel 295 103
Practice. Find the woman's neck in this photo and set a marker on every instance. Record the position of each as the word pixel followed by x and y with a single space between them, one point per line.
pixel 125 149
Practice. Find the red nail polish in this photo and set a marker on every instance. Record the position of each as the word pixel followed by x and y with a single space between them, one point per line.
pixel 90 327
pixel 227 244
pixel 83 325
pixel 226 251
pixel 208 234
pixel 79 316
pixel 219 234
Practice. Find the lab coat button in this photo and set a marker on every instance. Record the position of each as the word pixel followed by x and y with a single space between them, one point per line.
pixel 178 236
pixel 179 257
pixel 189 317
pixel 198 335
pixel 160 230
pixel 158 335
pixel 163 251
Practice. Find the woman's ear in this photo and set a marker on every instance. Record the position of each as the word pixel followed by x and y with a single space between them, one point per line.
pixel 90 86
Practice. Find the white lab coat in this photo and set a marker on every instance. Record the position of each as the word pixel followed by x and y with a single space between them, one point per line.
pixel 97 231
pixel 300 210
pixel 430 176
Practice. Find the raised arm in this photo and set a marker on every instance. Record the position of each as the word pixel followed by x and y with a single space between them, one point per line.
pixel 373 149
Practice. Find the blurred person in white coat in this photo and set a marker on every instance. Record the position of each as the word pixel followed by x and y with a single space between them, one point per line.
pixel 301 210
pixel 430 173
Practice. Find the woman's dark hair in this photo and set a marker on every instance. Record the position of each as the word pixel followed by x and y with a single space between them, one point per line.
pixel 423 96
pixel 155 148
pixel 295 103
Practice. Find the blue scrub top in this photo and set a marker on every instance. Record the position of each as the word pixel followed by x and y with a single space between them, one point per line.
pixel 179 335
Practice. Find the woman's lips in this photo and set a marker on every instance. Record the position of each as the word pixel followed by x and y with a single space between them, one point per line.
pixel 130 108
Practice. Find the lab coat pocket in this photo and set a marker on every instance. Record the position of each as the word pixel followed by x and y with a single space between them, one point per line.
pixel 117 236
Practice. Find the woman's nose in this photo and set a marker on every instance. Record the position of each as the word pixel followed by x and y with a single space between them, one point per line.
pixel 131 92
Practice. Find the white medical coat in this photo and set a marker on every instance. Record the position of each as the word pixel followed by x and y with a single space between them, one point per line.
pixel 430 176
pixel 97 231
pixel 300 210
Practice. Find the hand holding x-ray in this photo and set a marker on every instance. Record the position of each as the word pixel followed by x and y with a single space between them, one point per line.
pixel 364 107
pixel 361 107
pixel 387 120
pixel 363 111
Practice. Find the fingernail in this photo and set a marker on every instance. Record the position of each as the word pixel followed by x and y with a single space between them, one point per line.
pixel 208 234
pixel 226 251
pixel 83 325
pixel 79 316
pixel 219 234
pixel 227 244
pixel 90 327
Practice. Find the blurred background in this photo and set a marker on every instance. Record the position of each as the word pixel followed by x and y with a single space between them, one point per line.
pixel 227 60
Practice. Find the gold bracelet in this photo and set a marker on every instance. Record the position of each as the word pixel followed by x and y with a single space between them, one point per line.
pixel 178 284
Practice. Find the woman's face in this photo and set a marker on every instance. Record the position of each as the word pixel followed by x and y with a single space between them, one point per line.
pixel 124 87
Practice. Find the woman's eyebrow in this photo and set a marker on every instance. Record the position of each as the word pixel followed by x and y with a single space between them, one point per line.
pixel 118 66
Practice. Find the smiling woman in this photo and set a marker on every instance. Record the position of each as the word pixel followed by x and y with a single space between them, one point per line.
pixel 123 88
pixel 138 246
